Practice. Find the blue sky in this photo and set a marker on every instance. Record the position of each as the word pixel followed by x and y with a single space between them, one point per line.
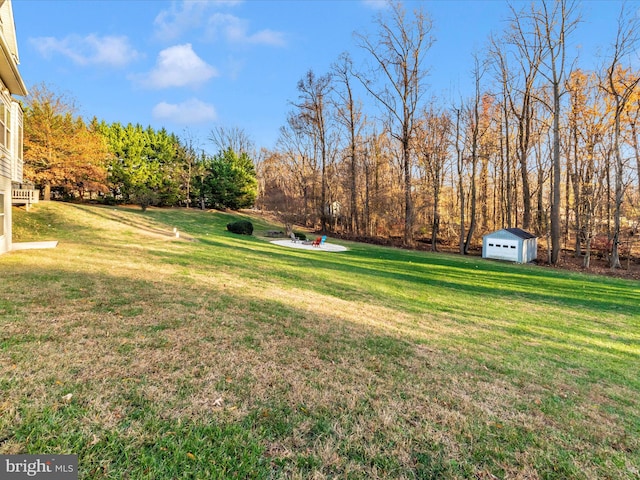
pixel 191 66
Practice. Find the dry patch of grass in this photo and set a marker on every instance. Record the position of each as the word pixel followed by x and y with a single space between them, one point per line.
pixel 142 355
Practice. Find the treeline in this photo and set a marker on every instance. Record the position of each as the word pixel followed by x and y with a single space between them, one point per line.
pixel 540 144
pixel 114 163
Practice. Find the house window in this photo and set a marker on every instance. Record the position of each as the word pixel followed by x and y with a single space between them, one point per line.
pixel 513 246
pixel 491 244
pixel 20 137
pixel 17 141
pixel 1 214
pixel 5 126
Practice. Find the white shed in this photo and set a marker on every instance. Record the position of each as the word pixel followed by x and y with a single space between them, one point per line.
pixel 513 244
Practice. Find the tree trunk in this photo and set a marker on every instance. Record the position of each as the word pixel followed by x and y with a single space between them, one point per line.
pixel 435 229
pixel 619 192
pixel 484 193
pixel 507 155
pixel 572 173
pixel 475 132
pixel 586 262
pixel 408 204
pixel 323 188
pixel 367 200
pixel 355 224
pixel 567 191
pixel 540 220
pixel 46 192
pixel 472 213
pixel 555 201
pixel 636 150
pixel 460 165
pixel 462 220
pixel 523 151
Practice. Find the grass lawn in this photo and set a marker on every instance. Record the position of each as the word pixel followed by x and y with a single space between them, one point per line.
pixel 223 356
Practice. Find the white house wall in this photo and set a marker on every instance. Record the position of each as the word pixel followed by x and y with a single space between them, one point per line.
pixel 11 83
pixel 5 214
pixel 6 175
pixel 16 141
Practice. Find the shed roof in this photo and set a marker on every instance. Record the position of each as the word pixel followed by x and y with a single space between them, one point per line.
pixel 518 232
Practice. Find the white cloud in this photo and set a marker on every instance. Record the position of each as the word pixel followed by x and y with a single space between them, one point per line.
pixel 188 16
pixel 177 66
pixel 236 30
pixel 190 112
pixel 180 18
pixel 376 4
pixel 111 51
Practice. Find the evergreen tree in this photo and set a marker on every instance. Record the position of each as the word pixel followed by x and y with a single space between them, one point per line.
pixel 228 181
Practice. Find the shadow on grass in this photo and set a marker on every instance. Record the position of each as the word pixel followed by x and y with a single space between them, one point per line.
pixel 149 441
pixel 470 289
pixel 486 281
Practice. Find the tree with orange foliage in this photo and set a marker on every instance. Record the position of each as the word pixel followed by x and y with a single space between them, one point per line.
pixel 60 151
pixel 433 132
pixel 587 128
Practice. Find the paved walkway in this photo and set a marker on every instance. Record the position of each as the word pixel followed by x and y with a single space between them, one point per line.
pixel 34 245
pixel 326 247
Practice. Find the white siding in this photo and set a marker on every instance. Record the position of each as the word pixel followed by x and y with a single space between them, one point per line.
pixel 6 160
pixel 16 142
pixel 507 245
pixel 530 250
pixel 502 249
pixel 11 166
pixel 5 218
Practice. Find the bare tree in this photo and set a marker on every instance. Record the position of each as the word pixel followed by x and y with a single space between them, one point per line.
pixel 190 153
pixel 433 134
pixel 498 54
pixel 520 92
pixel 233 138
pixel 299 154
pixel 349 115
pixel 587 128
pixel 313 118
pixel 460 165
pixel 398 53
pixel 634 124
pixel 474 139
pixel 553 25
pixel 620 87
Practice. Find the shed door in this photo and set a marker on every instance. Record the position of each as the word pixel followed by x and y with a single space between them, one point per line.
pixel 502 249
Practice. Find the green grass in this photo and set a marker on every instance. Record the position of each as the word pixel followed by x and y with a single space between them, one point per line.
pixel 224 356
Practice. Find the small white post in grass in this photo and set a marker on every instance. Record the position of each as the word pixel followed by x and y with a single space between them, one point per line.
pixel 175 230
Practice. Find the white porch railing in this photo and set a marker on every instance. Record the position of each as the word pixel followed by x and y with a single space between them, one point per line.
pixel 26 197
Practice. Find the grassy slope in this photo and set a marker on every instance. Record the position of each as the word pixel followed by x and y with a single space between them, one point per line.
pixel 215 356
